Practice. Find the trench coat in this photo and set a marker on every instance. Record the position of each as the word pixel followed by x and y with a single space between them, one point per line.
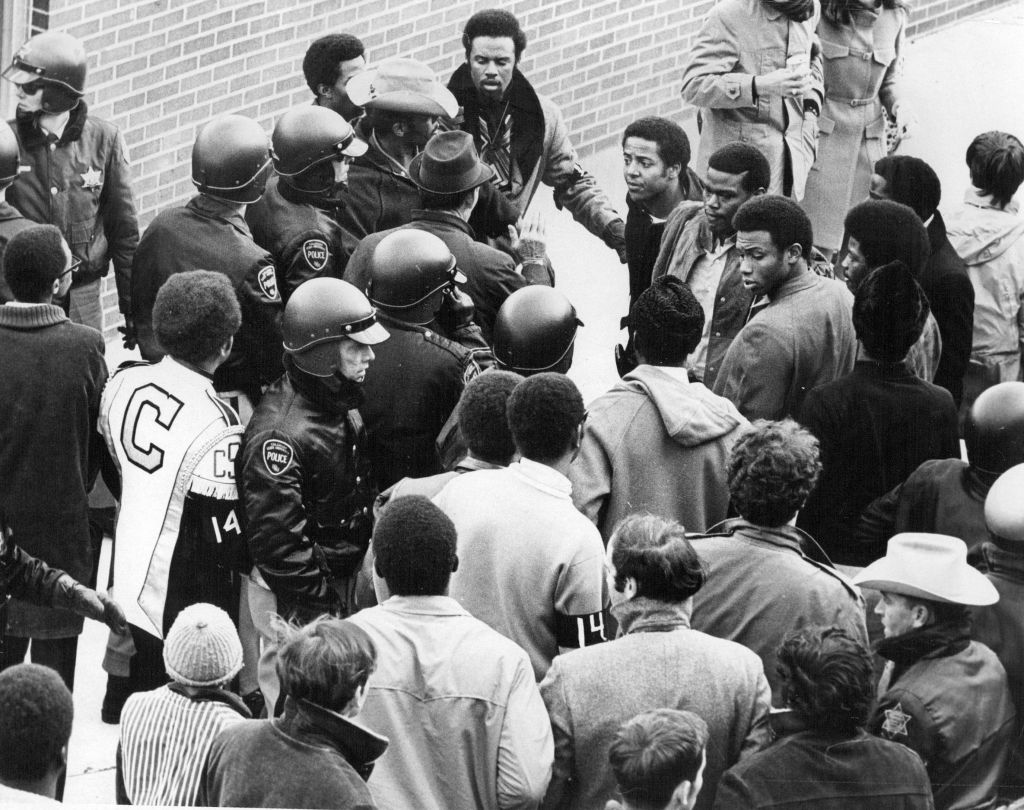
pixel 740 40
pixel 861 63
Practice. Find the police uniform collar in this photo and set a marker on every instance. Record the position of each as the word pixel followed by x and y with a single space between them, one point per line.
pixel 31 135
pixel 332 198
pixel 327 394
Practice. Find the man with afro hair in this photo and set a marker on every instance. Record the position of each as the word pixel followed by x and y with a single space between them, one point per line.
pixel 911 181
pixel 483 732
pixel 37 711
pixel 328 65
pixel 531 566
pixel 877 424
pixel 883 231
pixel 754 558
pixel 803 336
pixel 656 441
pixel 178 536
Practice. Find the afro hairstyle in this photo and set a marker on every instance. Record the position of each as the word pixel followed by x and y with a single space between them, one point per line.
pixel 496 23
pixel 667 321
pixel 320 64
pixel 889 231
pixel 33 260
pixel 544 413
pixel 483 416
pixel 911 181
pixel 414 547
pixel 889 312
pixel 194 313
pixel 37 712
pixel 742 158
pixel 673 145
pixel 781 218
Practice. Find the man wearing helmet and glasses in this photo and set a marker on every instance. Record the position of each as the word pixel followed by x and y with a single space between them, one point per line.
pixel 78 178
pixel 297 218
pixel 302 469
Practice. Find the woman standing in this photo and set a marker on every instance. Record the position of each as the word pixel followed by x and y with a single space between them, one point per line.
pixel 860 43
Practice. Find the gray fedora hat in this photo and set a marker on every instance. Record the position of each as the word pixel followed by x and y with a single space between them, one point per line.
pixel 402 85
pixel 449 164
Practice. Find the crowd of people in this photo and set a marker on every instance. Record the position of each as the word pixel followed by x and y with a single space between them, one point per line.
pixel 371 546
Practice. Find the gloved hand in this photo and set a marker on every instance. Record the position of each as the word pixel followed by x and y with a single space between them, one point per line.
pixel 625 359
pixel 456 312
pixel 615 237
pixel 529 238
pixel 99 607
pixel 128 331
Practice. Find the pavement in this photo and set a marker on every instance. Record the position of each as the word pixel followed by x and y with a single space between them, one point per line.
pixel 961 81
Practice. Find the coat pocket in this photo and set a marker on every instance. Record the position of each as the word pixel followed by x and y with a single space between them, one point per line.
pixel 825 125
pixel 833 50
pixel 884 56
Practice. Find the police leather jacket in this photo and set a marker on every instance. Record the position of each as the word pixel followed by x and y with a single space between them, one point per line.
pixel 306 497
pixel 80 183
pixel 26 577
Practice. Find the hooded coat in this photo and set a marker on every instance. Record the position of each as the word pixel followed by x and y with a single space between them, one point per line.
pixel 656 442
pixel 988 239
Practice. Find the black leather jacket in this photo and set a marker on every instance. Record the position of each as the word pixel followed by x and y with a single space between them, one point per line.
pixel 305 491
pixel 25 577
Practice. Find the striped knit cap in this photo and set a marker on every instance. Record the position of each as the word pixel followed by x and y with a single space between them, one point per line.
pixel 202 648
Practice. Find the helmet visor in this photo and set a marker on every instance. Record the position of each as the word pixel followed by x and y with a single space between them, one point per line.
pixel 17 75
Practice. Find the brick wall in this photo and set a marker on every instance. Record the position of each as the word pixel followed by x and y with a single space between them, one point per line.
pixel 162 68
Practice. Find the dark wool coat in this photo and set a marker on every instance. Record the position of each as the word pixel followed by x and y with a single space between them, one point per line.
pixel 54 372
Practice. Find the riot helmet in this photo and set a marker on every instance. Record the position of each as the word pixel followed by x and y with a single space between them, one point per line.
pixel 57 61
pixel 994 428
pixel 231 159
pixel 408 269
pixel 535 330
pixel 308 136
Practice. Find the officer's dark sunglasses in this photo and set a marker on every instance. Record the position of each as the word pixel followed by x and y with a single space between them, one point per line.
pixel 31 88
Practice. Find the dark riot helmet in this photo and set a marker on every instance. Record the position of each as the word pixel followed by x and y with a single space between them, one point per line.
pixel 535 330
pixel 994 428
pixel 231 159
pixel 321 312
pixel 309 135
pixel 10 155
pixel 407 270
pixel 57 61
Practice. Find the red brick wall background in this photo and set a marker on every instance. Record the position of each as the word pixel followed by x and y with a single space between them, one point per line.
pixel 160 69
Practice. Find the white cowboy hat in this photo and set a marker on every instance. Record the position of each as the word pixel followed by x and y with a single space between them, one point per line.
pixel 928 566
pixel 402 85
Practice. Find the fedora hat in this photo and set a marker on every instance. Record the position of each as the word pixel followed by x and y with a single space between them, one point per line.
pixel 928 566
pixel 449 164
pixel 402 85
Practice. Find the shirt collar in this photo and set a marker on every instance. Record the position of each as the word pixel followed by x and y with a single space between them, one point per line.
pixel 424 605
pixel 545 478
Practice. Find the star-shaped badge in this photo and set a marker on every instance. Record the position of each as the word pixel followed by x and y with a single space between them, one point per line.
pixel 92 179
pixel 896 721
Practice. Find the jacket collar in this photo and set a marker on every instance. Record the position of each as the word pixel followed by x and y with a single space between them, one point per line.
pixel 326 200
pixel 527 137
pixel 788 537
pixel 974 197
pixel 212 208
pixel 376 157
pixel 933 641
pixel 9 212
pixel 444 218
pixel 470 464
pixel 331 395
pixel 642 614
pixel 798 284
pixel 425 605
pixel 883 371
pixel 31 135
pixel 313 724
pixel 210 694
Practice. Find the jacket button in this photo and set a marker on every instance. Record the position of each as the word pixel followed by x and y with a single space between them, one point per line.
pixel 865 56
pixel 359 480
pixel 718 334
pixel 53 146
pixel 53 190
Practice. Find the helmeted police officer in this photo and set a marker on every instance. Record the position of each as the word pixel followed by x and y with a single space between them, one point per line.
pixel 11 219
pixel 230 165
pixel 419 374
pixel 302 470
pixel 947 496
pixel 78 175
pixel 535 331
pixel 297 218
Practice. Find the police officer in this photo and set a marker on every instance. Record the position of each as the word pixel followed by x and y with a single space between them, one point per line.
pixel 297 218
pixel 535 331
pixel 11 220
pixel 230 165
pixel 419 374
pixel 302 468
pixel 947 496
pixel 78 178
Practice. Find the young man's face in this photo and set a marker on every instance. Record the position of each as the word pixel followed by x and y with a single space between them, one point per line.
pixel 763 266
pixel 723 195
pixel 854 265
pixel 335 97
pixel 646 174
pixel 491 61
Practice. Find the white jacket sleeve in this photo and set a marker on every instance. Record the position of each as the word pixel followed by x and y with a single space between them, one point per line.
pixel 526 748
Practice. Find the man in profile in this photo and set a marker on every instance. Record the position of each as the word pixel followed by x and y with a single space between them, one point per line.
pixel 330 62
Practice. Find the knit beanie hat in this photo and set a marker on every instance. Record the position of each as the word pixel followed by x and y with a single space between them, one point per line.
pixel 202 648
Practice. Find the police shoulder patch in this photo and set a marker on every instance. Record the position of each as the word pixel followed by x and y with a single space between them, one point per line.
pixel 268 282
pixel 316 253
pixel 278 456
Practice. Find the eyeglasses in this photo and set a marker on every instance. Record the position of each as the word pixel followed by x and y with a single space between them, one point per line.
pixel 72 268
